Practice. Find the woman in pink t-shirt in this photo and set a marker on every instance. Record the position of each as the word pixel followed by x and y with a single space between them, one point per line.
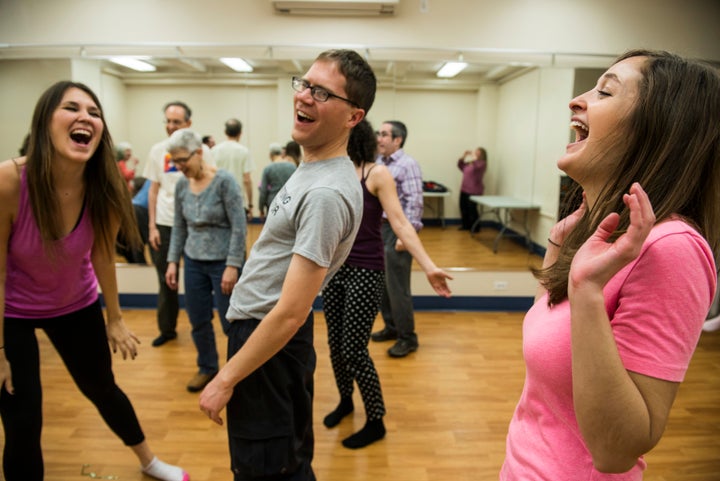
pixel 627 278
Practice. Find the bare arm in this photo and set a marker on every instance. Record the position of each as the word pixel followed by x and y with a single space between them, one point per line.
pixel 301 286
pixel 153 232
pixel 621 414
pixel 104 265
pixel 247 184
pixel 9 196
pixel 381 184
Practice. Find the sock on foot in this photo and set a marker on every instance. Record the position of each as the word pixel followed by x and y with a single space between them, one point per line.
pixel 344 408
pixel 165 472
pixel 371 432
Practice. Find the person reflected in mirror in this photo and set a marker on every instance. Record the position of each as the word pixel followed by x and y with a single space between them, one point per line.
pixel 473 166
pixel 274 177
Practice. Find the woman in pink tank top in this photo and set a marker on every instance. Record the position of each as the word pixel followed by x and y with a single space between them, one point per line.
pixel 61 208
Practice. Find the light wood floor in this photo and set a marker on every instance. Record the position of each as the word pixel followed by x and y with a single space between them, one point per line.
pixel 448 409
pixel 451 248
pixel 448 404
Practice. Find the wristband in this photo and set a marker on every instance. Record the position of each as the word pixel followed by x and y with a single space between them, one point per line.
pixel 553 243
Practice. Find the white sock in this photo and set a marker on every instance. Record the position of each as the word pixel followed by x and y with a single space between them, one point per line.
pixel 165 472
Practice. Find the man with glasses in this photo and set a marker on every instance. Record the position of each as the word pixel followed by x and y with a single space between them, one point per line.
pixel 163 175
pixel 267 382
pixel 396 304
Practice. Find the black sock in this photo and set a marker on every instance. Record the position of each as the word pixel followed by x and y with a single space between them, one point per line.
pixel 344 408
pixel 371 432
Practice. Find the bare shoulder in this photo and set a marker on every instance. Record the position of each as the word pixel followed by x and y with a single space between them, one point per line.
pixel 379 177
pixel 10 182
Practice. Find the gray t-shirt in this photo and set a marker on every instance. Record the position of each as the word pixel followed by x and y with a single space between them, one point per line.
pixel 316 215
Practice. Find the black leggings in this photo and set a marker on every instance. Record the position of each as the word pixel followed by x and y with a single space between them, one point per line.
pixel 351 303
pixel 81 341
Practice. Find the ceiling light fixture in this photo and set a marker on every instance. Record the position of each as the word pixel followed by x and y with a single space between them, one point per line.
pixel 451 69
pixel 237 64
pixel 135 63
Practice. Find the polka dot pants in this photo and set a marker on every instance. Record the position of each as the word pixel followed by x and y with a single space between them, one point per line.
pixel 351 302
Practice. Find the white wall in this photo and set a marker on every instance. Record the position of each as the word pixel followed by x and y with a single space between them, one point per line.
pixel 523 123
pixel 255 107
pixel 609 27
pixel 21 84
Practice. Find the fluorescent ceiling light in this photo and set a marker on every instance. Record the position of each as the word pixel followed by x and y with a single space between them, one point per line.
pixel 135 63
pixel 237 64
pixel 451 69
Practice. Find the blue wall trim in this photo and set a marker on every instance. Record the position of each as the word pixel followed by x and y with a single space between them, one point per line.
pixel 420 303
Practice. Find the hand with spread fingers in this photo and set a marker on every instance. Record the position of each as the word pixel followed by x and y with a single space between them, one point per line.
pixel 119 336
pixel 598 260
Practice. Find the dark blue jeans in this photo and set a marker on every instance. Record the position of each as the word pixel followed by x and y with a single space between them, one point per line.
pixel 202 294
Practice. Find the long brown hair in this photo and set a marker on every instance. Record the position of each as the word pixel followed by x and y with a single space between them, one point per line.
pixel 106 194
pixel 672 148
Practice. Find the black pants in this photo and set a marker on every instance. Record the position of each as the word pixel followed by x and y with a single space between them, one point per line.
pixel 269 416
pixel 136 256
pixel 351 302
pixel 168 302
pixel 81 341
pixel 468 211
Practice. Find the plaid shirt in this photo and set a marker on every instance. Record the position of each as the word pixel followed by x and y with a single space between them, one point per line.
pixel 408 179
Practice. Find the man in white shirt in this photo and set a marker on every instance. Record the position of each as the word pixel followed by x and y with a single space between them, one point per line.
pixel 234 157
pixel 163 175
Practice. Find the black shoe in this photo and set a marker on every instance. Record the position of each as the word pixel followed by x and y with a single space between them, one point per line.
pixel 384 335
pixel 162 339
pixel 402 348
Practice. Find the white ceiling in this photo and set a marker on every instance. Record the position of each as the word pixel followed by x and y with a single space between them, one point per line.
pixel 199 63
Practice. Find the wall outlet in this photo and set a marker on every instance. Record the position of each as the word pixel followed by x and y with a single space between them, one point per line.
pixel 501 285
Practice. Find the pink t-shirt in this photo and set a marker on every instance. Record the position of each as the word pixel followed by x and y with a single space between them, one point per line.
pixel 37 288
pixel 656 305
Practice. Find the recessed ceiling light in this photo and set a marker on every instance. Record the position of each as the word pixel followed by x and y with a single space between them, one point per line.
pixel 135 63
pixel 237 64
pixel 451 69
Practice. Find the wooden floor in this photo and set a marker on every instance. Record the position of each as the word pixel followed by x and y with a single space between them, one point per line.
pixel 448 404
pixel 448 409
pixel 452 248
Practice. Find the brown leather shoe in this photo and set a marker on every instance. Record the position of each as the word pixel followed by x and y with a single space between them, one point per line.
pixel 199 381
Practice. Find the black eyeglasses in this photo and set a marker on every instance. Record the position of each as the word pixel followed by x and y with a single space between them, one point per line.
pixel 318 93
pixel 182 160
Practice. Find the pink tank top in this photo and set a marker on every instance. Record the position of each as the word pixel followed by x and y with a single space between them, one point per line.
pixel 37 288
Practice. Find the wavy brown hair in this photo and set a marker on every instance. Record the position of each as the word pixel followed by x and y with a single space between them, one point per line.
pixel 106 194
pixel 672 148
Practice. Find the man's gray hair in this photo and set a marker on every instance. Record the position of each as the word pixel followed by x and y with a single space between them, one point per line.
pixel 184 139
pixel 275 148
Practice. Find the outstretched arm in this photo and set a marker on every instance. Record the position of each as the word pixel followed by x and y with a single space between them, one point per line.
pixel 382 185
